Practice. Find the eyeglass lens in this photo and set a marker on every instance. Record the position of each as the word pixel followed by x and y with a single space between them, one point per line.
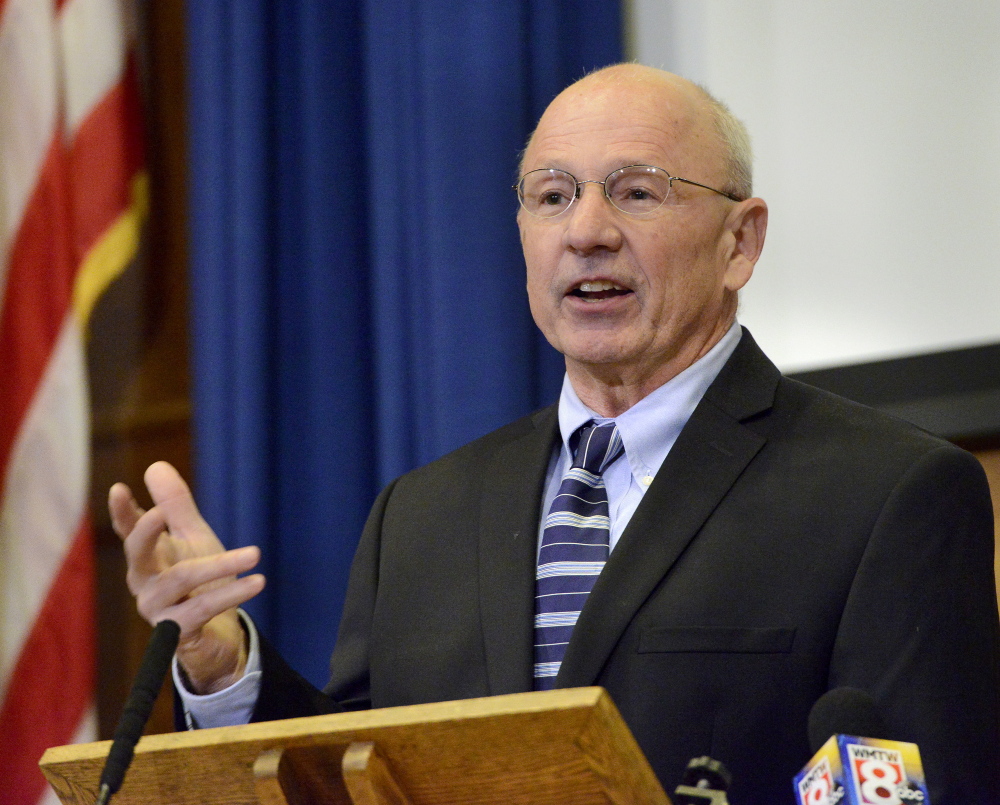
pixel 636 190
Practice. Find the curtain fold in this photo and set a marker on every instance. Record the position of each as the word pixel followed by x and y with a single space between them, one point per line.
pixel 358 304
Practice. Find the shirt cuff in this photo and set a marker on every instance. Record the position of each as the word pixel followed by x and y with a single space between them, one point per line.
pixel 227 707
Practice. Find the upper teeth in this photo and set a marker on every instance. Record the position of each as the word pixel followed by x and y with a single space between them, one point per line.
pixel 600 285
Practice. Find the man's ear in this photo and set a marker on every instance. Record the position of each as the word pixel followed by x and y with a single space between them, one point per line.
pixel 746 227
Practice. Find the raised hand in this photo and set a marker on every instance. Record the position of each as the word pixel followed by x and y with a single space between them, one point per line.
pixel 178 569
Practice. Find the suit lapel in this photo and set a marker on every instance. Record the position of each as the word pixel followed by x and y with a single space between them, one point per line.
pixel 508 543
pixel 708 457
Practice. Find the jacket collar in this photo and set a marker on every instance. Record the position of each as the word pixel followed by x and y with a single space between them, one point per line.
pixel 513 479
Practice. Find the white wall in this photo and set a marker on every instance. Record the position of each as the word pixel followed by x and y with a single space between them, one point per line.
pixel 876 129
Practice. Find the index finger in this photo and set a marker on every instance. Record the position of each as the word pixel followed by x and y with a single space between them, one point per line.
pixel 124 511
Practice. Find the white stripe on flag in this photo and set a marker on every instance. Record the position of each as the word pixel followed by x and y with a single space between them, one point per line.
pixel 92 33
pixel 28 97
pixel 45 494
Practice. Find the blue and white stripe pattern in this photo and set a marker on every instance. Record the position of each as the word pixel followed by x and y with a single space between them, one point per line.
pixel 574 547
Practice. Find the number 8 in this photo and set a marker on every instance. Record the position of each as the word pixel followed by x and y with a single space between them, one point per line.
pixel 879 782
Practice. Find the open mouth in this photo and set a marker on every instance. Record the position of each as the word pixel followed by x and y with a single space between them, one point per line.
pixel 597 290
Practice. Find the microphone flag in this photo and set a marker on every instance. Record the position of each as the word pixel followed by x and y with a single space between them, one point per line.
pixel 849 770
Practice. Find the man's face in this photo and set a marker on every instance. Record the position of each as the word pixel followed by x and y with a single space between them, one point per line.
pixel 624 298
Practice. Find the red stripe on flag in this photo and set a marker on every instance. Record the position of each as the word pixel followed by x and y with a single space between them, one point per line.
pixel 39 288
pixel 105 156
pixel 53 682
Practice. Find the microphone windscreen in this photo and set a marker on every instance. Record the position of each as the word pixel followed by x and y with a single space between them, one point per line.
pixel 844 711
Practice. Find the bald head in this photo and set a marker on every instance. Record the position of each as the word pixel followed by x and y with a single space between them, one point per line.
pixel 699 120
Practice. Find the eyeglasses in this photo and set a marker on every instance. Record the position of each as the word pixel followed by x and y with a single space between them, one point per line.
pixel 634 189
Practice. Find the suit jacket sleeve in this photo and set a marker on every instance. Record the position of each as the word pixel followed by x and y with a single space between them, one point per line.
pixel 919 629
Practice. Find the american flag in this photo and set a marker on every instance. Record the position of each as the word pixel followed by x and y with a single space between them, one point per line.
pixel 72 198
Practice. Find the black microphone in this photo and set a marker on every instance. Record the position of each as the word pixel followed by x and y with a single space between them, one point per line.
pixel 148 680
pixel 845 711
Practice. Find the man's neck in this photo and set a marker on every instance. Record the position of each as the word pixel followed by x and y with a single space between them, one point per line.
pixel 610 397
pixel 611 389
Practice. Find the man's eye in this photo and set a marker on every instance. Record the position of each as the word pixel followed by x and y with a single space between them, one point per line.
pixel 638 194
pixel 553 198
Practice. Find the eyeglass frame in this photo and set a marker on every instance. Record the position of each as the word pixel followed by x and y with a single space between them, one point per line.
pixel 604 185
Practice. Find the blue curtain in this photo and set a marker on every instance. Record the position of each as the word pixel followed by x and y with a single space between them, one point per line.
pixel 357 283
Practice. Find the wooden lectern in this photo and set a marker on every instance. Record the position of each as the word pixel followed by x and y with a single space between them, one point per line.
pixel 561 746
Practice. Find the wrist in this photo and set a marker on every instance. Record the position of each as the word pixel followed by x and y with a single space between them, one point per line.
pixel 216 658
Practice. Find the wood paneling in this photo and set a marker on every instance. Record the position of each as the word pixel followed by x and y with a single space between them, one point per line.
pixel 990 459
pixel 138 359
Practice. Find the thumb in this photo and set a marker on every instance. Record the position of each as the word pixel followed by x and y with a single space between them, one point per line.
pixel 172 496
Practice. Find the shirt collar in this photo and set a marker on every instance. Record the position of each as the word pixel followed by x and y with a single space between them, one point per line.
pixel 650 427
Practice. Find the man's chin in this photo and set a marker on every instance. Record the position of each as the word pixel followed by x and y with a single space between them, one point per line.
pixel 597 356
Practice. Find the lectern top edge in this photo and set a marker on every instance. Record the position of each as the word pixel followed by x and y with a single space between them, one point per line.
pixel 435 712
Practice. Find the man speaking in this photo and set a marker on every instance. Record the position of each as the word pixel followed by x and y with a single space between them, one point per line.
pixel 714 544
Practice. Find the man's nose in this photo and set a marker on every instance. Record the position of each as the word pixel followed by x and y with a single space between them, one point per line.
pixel 593 221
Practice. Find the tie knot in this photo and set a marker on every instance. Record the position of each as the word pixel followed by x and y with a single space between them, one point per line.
pixel 599 445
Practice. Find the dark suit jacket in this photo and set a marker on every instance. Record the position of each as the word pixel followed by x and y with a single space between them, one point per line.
pixel 791 542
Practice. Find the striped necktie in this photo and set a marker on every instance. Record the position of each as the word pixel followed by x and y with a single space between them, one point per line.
pixel 574 547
